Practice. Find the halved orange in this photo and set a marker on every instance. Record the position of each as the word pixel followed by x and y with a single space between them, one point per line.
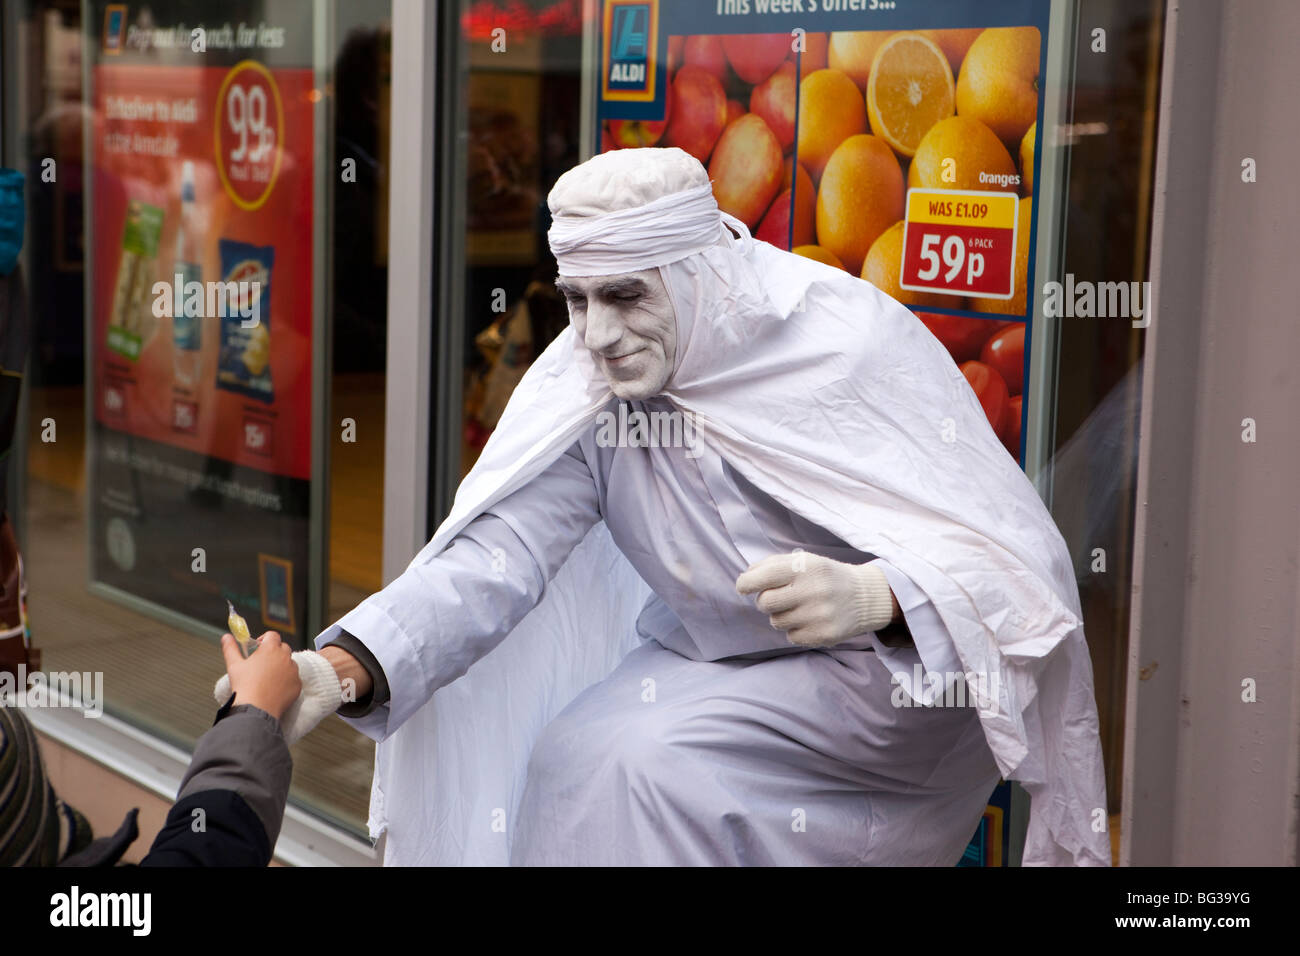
pixel 910 89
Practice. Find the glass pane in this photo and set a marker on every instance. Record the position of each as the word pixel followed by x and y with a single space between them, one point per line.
pixel 203 168
pixel 1091 478
pixel 522 113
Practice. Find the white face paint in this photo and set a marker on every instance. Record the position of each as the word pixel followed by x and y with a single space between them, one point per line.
pixel 628 324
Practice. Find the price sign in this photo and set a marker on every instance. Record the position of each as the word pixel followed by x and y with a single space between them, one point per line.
pixel 249 127
pixel 114 403
pixel 257 436
pixel 960 242
pixel 185 416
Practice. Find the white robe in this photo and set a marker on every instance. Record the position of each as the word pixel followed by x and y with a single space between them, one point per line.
pixel 715 741
pixel 837 403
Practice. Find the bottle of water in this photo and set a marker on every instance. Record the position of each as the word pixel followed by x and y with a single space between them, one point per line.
pixel 187 324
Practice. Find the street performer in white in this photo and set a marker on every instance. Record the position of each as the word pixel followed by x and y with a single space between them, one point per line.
pixel 683 651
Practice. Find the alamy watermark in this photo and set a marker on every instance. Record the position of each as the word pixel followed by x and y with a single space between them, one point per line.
pixel 638 429
pixel 82 690
pixel 133 911
pixel 924 688
pixel 1100 300
pixel 212 299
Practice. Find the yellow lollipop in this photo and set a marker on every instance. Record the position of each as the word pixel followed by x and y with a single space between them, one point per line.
pixel 239 630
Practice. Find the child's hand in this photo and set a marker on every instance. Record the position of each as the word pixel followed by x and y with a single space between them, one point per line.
pixel 268 680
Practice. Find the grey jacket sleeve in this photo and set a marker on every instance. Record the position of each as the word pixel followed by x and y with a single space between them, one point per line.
pixel 244 752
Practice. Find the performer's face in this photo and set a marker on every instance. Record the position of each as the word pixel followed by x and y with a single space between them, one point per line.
pixel 628 324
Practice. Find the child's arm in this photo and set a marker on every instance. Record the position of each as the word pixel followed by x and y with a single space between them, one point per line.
pixel 232 799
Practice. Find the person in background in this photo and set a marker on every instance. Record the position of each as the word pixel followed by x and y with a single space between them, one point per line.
pixel 36 827
pixel 15 635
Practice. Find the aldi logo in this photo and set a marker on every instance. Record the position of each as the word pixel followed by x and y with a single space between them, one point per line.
pixel 114 28
pixel 631 35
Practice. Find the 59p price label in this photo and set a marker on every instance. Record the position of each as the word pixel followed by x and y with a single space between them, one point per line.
pixel 960 242
pixel 249 128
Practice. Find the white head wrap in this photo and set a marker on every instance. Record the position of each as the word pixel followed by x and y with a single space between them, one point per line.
pixel 633 209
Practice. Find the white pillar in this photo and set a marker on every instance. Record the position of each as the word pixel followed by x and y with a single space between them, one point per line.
pixel 410 283
pixel 1209 778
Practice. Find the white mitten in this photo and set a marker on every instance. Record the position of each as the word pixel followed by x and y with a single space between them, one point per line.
pixel 321 695
pixel 819 602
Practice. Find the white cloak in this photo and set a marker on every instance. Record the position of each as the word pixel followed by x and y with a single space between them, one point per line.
pixel 836 401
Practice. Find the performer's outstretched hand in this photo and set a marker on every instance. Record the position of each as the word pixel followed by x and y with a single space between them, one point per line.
pixel 819 602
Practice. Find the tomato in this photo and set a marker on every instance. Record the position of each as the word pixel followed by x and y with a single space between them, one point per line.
pixel 1006 353
pixel 961 336
pixel 990 389
pixel 1010 431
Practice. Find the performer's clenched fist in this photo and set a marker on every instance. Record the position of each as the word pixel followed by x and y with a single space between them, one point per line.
pixel 819 602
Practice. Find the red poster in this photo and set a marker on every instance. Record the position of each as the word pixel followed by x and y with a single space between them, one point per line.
pixel 202 298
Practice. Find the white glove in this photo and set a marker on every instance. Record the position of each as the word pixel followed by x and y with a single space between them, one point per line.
pixel 321 695
pixel 819 602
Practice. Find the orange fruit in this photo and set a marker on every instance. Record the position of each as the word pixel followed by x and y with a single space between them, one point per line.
pixel 998 82
pixel 853 52
pixel 954 43
pixel 830 111
pixel 861 194
pixel 819 254
pixel 883 266
pixel 972 149
pixel 1016 304
pixel 910 90
pixel 1027 158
